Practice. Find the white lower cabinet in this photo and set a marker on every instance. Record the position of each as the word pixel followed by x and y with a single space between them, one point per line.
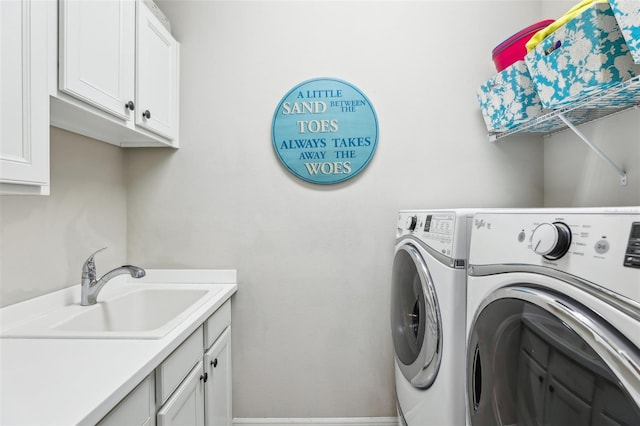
pixel 217 364
pixel 136 409
pixel 186 405
pixel 171 372
pixel 191 387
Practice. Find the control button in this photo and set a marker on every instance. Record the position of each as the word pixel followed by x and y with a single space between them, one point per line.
pixel 631 261
pixel 521 236
pixel 412 222
pixel 602 246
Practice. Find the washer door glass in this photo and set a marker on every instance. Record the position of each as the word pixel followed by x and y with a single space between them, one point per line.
pixel 415 318
pixel 539 358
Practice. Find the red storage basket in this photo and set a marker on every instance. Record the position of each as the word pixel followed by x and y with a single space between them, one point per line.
pixel 514 48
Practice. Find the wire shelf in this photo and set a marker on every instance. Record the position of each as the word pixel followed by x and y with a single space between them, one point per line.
pixel 611 100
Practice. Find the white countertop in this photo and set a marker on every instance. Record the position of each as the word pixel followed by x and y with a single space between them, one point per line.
pixel 78 381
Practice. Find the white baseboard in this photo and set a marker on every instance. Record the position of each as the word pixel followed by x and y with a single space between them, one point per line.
pixel 324 421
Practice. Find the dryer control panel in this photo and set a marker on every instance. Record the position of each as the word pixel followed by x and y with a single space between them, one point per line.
pixel 435 229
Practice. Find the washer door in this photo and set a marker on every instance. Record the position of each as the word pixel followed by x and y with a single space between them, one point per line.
pixel 536 357
pixel 415 318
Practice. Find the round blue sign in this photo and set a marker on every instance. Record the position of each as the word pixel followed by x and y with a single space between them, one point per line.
pixel 325 131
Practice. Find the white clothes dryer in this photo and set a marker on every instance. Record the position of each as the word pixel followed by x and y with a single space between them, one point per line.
pixel 428 298
pixel 553 318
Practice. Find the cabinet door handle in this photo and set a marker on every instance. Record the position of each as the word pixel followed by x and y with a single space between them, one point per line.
pixel 146 114
pixel 130 105
pixel 204 377
pixel 214 363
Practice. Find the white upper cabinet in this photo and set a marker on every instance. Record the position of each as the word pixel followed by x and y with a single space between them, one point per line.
pixel 24 106
pixel 156 76
pixel 97 53
pixel 118 70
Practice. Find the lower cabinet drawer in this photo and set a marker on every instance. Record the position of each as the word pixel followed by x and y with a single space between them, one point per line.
pixel 217 323
pixel 177 365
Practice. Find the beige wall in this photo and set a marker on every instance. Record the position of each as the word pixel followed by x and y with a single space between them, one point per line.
pixel 573 174
pixel 311 333
pixel 45 239
pixel 311 325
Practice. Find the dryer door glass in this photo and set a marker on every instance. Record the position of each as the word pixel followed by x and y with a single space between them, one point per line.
pixel 540 358
pixel 415 318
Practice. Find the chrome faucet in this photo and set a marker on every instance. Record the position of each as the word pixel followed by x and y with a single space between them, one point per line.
pixel 90 286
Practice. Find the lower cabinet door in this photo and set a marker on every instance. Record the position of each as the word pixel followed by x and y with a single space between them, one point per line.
pixel 218 386
pixel 136 409
pixel 186 406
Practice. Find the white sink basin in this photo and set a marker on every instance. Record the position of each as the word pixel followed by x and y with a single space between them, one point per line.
pixel 144 313
pixel 142 310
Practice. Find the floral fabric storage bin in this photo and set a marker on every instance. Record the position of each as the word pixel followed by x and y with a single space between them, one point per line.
pixel 627 13
pixel 586 55
pixel 509 99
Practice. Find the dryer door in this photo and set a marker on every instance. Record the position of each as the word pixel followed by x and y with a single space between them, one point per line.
pixel 536 357
pixel 415 318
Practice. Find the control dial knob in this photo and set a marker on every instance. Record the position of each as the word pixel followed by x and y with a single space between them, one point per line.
pixel 412 221
pixel 551 240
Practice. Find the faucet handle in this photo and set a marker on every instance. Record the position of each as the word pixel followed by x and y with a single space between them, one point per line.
pixel 89 267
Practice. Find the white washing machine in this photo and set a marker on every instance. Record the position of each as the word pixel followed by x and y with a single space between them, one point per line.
pixel 428 298
pixel 553 318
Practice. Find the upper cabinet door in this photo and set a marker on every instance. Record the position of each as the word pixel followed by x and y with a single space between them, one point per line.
pixel 97 53
pixel 24 98
pixel 157 74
